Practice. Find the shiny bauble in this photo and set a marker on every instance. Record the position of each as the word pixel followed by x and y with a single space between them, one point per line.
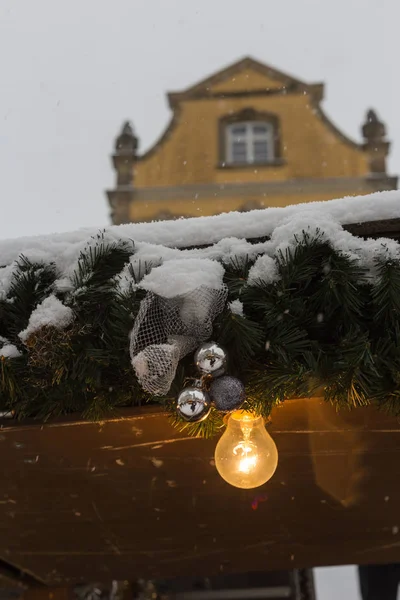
pixel 211 359
pixel 227 393
pixel 193 404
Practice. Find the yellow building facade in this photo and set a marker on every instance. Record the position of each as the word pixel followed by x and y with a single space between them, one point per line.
pixel 247 137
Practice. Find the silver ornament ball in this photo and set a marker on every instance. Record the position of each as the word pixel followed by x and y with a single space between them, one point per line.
pixel 211 359
pixel 227 393
pixel 193 404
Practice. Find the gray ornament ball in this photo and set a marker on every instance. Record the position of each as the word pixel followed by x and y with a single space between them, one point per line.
pixel 227 393
pixel 211 359
pixel 193 404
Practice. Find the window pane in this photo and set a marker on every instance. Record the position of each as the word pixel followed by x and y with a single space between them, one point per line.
pixel 239 152
pixel 238 130
pixel 260 151
pixel 260 128
pixel 239 138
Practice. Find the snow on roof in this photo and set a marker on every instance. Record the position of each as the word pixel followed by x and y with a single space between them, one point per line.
pixel 228 232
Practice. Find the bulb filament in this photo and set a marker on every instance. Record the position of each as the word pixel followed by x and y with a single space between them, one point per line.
pixel 249 459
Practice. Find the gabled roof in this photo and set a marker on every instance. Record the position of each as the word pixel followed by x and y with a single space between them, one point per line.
pixel 282 81
pixel 276 82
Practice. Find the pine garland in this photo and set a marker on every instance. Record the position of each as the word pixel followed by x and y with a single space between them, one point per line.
pixel 323 324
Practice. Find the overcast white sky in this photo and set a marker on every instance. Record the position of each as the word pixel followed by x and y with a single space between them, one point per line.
pixel 73 70
pixel 333 583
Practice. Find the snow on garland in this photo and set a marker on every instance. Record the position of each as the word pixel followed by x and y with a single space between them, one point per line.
pixel 8 350
pixel 50 313
pixel 264 269
pixel 312 307
pixel 236 307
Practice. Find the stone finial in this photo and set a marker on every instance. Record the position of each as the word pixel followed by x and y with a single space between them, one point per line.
pixel 373 129
pixel 125 156
pixel 375 144
pixel 126 142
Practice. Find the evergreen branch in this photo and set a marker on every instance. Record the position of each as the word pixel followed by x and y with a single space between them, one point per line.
pixel 31 283
pixel 353 374
pixel 98 264
pixel 10 378
pixel 386 293
pixel 286 340
pixel 205 429
pixel 140 270
pixel 236 274
pixel 301 262
pixel 242 337
pixel 390 402
pixel 274 382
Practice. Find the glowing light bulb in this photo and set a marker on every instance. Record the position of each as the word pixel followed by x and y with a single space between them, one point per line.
pixel 246 455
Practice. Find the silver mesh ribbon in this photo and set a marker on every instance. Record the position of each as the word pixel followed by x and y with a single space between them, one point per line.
pixel 167 329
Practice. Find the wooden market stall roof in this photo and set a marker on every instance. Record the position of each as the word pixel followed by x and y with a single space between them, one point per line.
pixel 131 497
pixel 373 215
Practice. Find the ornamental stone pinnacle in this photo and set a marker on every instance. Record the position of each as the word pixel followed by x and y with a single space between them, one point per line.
pixel 376 145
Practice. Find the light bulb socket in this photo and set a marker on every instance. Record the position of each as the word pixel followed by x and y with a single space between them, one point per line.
pixel 255 417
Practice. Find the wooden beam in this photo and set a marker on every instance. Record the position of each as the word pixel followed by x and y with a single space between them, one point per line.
pixel 131 497
pixel 384 228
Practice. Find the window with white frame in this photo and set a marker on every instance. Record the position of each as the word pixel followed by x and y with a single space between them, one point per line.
pixel 249 142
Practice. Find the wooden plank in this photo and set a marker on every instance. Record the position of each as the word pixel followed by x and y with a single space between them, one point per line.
pixel 132 497
pixel 384 228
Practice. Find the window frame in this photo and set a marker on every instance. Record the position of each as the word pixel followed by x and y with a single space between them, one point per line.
pixel 248 115
pixel 249 139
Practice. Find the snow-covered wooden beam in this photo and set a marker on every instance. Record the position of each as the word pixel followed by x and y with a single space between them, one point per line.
pixel 225 236
pixel 351 212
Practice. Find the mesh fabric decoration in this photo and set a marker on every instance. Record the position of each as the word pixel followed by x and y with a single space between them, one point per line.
pixel 167 329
